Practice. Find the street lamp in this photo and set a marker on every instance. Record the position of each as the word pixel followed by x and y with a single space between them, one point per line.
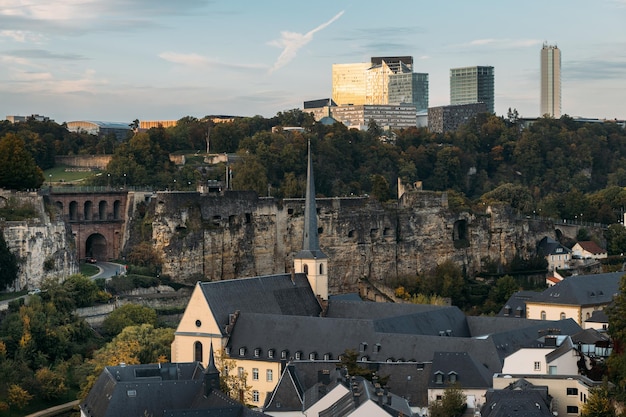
pixel 124 180
pixel 50 180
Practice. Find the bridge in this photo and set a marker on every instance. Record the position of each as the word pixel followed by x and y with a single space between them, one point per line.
pixel 97 217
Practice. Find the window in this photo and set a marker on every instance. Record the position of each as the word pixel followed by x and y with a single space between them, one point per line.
pixel 270 353
pixel 255 374
pixel 312 356
pixel 298 356
pixel 198 323
pixel 326 356
pixel 452 377
pixel 543 315
pixel 242 351
pixel 269 375
pixel 537 366
pixel 197 351
pixel 552 370
pixel 257 352
pixel 255 396
pixel 284 354
pixel 572 409
pixel 572 391
pixel 562 316
pixel 438 377
pixel 587 316
pixel 240 372
pixel 321 268
pixel 306 269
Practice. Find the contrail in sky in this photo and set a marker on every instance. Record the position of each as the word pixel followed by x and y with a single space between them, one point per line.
pixel 292 41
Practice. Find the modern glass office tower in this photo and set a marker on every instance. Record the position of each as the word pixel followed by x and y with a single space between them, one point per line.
pixel 472 85
pixel 550 80
pixel 383 80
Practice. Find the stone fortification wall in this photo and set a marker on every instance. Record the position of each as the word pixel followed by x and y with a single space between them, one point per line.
pixel 44 248
pixel 237 235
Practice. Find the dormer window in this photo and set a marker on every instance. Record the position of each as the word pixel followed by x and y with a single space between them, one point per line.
pixel 242 351
pixel 270 353
pixel 257 352
pixel 362 347
pixel 312 356
pixel 377 348
pixel 284 354
pixel 439 378
pixel 227 350
pixel 326 356
pixel 452 377
pixel 298 355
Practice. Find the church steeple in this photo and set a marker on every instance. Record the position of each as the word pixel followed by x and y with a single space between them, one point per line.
pixel 311 260
pixel 211 374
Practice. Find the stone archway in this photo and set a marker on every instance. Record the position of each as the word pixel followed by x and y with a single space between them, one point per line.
pixel 96 247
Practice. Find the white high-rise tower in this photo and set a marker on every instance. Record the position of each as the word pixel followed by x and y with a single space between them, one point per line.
pixel 551 81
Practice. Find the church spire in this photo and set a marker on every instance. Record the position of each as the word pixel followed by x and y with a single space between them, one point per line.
pixel 311 260
pixel 211 374
pixel 310 242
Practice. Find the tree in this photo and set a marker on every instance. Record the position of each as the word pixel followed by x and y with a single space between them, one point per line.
pixel 452 404
pixel 51 384
pixel 599 403
pixel 8 264
pixel 380 188
pixel 617 330
pixel 250 174
pixel 128 315
pixel 18 170
pixel 233 380
pixel 18 396
pixel 84 291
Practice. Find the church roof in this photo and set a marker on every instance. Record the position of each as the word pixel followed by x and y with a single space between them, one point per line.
pixel 271 294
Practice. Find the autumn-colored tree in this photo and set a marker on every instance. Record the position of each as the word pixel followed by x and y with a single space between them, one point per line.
pixel 128 315
pixel 18 396
pixel 599 403
pixel 233 379
pixel 452 403
pixel 51 384
pixel 18 170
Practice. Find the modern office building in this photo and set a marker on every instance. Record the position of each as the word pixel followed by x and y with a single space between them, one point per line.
pixel 472 85
pixel 382 81
pixel 449 118
pixel 550 81
pixel 386 116
pixel 100 129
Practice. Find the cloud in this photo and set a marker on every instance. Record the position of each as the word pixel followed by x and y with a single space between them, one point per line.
pixel 20 35
pixel 43 54
pixel 291 42
pixel 502 43
pixel 594 69
pixel 191 60
pixel 199 61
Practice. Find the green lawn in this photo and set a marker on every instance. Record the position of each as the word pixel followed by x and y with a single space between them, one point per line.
pixel 11 295
pixel 65 174
pixel 88 270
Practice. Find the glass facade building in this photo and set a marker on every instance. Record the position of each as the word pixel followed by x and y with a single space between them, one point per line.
pixel 472 85
pixel 409 88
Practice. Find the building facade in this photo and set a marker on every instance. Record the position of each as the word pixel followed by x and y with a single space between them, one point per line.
pixel 383 80
pixel 551 81
pixel 386 116
pixel 472 85
pixel 448 118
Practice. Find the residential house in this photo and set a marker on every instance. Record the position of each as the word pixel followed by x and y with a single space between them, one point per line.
pixel 319 389
pixel 519 399
pixel 589 249
pixel 569 392
pixel 557 255
pixel 575 297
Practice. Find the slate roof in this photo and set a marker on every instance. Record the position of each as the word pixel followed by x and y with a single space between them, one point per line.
pixel 565 347
pixel 548 246
pixel 469 373
pixel 517 301
pixel 598 316
pixel 272 294
pixel 516 403
pixel 582 290
pixel 171 389
pixel 303 384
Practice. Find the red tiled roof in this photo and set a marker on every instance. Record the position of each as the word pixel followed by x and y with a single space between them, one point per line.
pixel 591 247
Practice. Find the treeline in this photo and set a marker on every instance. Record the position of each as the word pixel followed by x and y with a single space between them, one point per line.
pixel 557 168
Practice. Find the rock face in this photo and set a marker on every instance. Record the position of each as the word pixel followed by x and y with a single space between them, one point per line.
pixel 43 248
pixel 237 235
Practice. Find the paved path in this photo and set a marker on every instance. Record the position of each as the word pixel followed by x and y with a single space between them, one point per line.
pixel 53 411
pixel 108 269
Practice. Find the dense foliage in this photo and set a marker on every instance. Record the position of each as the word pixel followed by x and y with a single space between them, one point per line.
pixel 18 170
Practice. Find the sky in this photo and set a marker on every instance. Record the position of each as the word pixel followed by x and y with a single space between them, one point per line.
pixel 121 60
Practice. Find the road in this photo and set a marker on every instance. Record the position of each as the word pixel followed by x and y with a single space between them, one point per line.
pixel 108 269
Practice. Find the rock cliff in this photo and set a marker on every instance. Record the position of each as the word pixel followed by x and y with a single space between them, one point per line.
pixel 237 234
pixel 44 248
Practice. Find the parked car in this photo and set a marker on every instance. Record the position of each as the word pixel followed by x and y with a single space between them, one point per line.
pixel 91 260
